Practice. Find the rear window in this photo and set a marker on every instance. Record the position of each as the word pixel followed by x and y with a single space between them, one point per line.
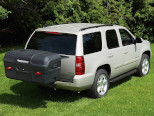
pixel 92 42
pixel 57 43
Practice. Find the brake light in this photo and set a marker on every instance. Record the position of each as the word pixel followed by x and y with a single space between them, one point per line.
pixel 52 32
pixel 80 65
pixel 9 68
pixel 38 73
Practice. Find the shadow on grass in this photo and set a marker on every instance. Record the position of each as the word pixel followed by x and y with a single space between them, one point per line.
pixel 30 96
pixel 119 82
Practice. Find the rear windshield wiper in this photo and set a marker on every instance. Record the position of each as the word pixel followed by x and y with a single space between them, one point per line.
pixel 63 56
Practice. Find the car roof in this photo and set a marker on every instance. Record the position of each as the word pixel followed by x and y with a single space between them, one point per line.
pixel 73 28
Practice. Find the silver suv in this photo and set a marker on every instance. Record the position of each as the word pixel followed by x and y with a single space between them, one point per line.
pixel 93 55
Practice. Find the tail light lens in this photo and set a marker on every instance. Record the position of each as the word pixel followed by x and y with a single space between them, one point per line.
pixel 9 68
pixel 38 73
pixel 80 65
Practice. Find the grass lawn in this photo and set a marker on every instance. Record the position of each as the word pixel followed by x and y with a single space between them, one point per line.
pixel 129 97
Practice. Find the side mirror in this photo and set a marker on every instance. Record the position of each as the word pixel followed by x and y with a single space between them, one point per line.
pixel 138 40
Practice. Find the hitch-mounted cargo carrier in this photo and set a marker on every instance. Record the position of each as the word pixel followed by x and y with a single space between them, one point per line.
pixel 36 66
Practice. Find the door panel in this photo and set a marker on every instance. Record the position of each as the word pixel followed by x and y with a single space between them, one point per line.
pixel 129 57
pixel 115 58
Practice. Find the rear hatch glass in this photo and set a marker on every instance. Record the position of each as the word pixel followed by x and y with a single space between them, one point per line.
pixel 54 42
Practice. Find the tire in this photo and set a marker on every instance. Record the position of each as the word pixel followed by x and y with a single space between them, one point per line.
pixel 100 85
pixel 144 66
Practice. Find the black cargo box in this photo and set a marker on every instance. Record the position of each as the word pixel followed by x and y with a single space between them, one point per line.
pixel 37 66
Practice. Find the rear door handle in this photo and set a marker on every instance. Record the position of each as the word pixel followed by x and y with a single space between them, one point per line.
pixel 126 52
pixel 110 55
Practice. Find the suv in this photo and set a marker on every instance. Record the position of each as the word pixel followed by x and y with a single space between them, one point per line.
pixel 93 55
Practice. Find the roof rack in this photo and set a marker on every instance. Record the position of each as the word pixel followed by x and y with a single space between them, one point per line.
pixel 82 29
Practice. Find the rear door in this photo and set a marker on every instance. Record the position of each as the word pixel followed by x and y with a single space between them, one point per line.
pixel 114 54
pixel 61 43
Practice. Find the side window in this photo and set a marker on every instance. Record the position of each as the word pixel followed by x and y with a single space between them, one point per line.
pixel 126 38
pixel 92 42
pixel 112 39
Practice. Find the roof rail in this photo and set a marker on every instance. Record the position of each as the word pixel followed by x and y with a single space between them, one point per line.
pixel 82 29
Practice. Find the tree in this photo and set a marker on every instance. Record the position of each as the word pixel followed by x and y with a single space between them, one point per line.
pixel 3 13
pixel 98 11
pixel 26 15
pixel 143 12
pixel 63 11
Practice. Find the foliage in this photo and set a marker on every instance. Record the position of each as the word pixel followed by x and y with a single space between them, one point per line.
pixel 25 17
pixel 99 11
pixel 136 15
pixel 143 12
pixel 3 13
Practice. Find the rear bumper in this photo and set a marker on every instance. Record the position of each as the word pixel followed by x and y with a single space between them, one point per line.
pixel 80 82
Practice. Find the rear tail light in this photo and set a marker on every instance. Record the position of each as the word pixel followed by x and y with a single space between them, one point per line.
pixel 9 68
pixel 38 73
pixel 80 65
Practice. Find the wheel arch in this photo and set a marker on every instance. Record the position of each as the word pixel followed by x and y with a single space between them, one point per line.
pixel 147 52
pixel 105 67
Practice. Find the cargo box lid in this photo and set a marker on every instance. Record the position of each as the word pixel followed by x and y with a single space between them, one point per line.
pixel 30 56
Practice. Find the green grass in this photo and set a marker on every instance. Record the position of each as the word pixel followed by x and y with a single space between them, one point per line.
pixel 129 97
